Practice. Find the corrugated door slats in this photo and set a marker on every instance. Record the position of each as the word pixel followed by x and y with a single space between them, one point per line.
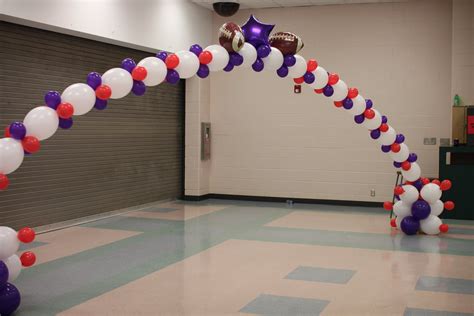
pixel 129 154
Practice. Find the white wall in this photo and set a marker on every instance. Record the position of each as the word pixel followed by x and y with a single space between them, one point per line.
pixel 268 141
pixel 144 24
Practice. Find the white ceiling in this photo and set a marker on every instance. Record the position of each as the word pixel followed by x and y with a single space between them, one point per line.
pixel 255 4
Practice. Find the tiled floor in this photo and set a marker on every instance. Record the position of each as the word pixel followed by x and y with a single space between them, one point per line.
pixel 240 258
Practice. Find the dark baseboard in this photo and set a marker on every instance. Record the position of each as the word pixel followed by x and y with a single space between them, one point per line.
pixel 279 199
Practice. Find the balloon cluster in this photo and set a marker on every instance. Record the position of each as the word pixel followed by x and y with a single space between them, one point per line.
pixel 10 265
pixel 419 205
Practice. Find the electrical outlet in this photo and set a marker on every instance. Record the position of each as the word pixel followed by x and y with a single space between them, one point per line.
pixel 372 192
pixel 429 141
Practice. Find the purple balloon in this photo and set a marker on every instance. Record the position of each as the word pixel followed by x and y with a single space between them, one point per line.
pixel 359 119
pixel 100 104
pixel 263 51
pixel 128 64
pixel 385 148
pixel 309 77
pixel 400 138
pixel 258 65
pixel 196 49
pixel 347 103
pixel 375 134
pixel 162 55
pixel 94 80
pixel 256 32
pixel 9 299
pixel 328 90
pixel 410 225
pixel 289 60
pixel 138 88
pixel 418 184
pixel 282 71
pixel 236 59
pixel 412 157
pixel 368 103
pixel 203 71
pixel 52 99
pixel 17 130
pixel 397 164
pixel 384 119
pixel 229 67
pixel 172 76
pixel 3 273
pixel 420 209
pixel 65 123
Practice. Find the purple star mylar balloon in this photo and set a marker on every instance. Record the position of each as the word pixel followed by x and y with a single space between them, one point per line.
pixel 256 32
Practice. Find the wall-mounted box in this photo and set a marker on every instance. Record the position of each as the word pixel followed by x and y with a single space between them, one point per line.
pixel 205 140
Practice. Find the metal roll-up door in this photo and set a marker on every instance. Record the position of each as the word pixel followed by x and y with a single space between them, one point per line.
pixel 129 154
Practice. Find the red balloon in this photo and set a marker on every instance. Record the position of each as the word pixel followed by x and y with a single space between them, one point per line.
pixel 205 57
pixel 7 131
pixel 172 61
pixel 383 127
pixel 393 222
pixel 318 91
pixel 436 181
pixel 28 259
pixel 333 79
pixel 395 147
pixel 139 73
pixel 30 144
pixel 26 235
pixel 388 206
pixel 312 65
pixel 66 110
pixel 103 92
pixel 445 185
pixel 425 180
pixel 443 228
pixel 449 205
pixel 369 114
pixel 406 165
pixel 4 182
pixel 338 104
pixel 299 80
pixel 353 92
pixel 398 190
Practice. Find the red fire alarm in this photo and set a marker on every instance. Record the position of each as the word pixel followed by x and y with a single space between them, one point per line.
pixel 297 88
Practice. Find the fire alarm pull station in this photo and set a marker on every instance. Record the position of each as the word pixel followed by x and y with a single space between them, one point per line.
pixel 205 140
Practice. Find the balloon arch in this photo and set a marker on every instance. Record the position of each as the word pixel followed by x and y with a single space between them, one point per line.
pixel 250 45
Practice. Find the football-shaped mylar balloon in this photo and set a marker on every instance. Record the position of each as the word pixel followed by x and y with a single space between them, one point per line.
pixel 288 43
pixel 231 37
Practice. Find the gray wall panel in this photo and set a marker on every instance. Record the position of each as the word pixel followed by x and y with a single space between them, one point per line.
pixel 131 153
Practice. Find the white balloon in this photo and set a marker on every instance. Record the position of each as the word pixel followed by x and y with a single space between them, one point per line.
pixel 188 64
pixel 431 193
pixel 41 122
pixel 374 122
pixel 155 71
pixel 11 155
pixel 274 60
pixel 220 57
pixel 358 106
pixel 401 209
pixel 320 78
pixel 430 225
pixel 298 69
pixel 413 174
pixel 437 208
pixel 340 91
pixel 410 195
pixel 81 96
pixel 398 221
pixel 119 80
pixel 388 137
pixel 249 53
pixel 9 242
pixel 13 264
pixel 402 155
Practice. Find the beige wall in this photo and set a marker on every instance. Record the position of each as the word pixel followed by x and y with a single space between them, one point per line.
pixel 268 141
